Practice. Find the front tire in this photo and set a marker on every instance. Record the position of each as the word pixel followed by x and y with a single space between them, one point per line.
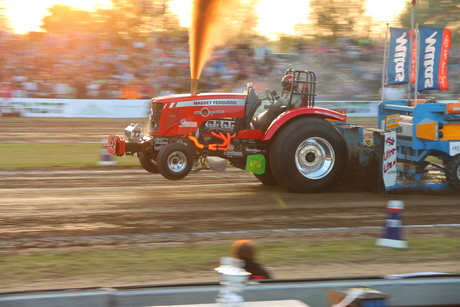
pixel 452 171
pixel 175 161
pixel 308 155
pixel 149 164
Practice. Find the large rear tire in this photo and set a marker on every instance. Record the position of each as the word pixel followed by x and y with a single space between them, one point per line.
pixel 175 161
pixel 267 177
pixel 308 155
pixel 453 172
pixel 149 164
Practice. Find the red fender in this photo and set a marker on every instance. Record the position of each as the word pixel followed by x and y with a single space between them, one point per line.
pixel 302 111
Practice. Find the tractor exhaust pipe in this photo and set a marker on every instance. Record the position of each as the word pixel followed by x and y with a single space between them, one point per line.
pixel 194 87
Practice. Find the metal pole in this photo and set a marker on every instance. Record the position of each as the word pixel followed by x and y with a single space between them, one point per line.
pixel 385 59
pixel 412 37
pixel 417 48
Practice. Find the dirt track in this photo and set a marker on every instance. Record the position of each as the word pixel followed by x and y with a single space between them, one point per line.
pixel 127 201
pixel 106 206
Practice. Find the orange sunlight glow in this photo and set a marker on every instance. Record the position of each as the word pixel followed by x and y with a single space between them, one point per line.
pixel 26 15
pixel 276 17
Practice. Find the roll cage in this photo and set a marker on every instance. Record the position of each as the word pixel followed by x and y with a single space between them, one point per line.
pixel 304 85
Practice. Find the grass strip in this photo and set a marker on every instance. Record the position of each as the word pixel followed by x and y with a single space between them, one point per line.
pixel 22 155
pixel 53 155
pixel 131 261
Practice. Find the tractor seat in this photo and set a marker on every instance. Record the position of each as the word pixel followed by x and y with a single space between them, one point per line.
pixel 264 119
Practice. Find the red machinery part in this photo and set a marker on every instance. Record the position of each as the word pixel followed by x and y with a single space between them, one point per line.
pixel 115 145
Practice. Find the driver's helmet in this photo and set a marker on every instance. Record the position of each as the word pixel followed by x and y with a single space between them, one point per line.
pixel 287 82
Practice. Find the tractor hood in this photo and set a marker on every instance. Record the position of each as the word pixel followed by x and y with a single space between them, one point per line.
pixel 203 98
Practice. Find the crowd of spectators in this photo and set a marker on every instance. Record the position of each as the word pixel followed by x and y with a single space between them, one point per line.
pixel 85 66
pixel 362 61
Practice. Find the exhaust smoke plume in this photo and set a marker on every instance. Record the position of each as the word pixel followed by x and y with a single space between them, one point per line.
pixel 209 19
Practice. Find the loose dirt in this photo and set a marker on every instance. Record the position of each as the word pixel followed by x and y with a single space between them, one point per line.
pixel 72 208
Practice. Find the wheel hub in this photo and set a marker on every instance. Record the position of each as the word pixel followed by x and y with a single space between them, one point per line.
pixel 310 157
pixel 177 161
pixel 314 158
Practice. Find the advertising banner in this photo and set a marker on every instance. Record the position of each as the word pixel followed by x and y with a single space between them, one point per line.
pixel 389 159
pixel 433 58
pixel 103 108
pixel 398 56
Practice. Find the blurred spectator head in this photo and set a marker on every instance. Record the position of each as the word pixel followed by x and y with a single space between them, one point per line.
pixel 244 250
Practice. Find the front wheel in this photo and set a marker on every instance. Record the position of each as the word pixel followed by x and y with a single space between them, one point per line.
pixel 308 155
pixel 149 164
pixel 175 161
pixel 452 171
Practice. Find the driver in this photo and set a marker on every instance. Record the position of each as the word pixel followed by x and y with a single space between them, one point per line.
pixel 287 85
pixel 281 103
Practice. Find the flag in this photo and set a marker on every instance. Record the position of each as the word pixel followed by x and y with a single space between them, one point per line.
pixel 398 56
pixel 433 58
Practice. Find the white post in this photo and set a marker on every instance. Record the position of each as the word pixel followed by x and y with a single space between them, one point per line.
pixel 385 59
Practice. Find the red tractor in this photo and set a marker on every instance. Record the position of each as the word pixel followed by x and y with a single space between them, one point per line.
pixel 298 148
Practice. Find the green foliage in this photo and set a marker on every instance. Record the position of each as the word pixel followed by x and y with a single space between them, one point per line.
pixel 129 17
pixel 65 18
pixel 434 13
pixel 139 19
pixel 244 19
pixel 338 18
pixel 52 155
pixel 4 21
pixel 126 18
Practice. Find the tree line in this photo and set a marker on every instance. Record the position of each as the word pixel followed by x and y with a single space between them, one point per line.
pixel 326 19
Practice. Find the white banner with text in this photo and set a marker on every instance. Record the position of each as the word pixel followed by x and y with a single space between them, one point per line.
pixel 97 108
pixel 139 108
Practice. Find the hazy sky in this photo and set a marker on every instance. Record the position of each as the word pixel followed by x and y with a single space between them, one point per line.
pixel 276 18
pixel 26 15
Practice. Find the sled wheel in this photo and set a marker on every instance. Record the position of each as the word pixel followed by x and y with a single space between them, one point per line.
pixel 175 161
pixel 267 177
pixel 308 155
pixel 149 164
pixel 452 171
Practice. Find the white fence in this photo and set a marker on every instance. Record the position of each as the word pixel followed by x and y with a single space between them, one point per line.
pixel 134 108
pixel 103 108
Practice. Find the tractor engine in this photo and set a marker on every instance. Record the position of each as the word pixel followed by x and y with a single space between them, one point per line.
pixel 213 131
pixel 216 126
